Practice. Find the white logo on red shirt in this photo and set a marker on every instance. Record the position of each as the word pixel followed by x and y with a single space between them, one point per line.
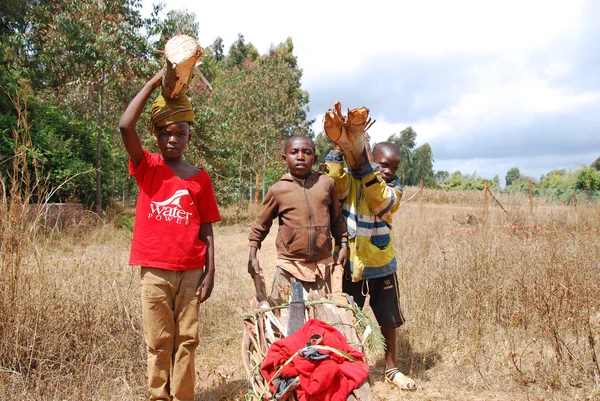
pixel 170 209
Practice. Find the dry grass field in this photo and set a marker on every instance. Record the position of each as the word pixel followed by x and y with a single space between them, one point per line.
pixel 503 307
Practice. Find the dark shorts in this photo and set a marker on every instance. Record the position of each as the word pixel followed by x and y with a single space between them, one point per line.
pixel 383 298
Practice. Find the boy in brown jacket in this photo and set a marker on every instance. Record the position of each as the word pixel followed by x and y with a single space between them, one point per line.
pixel 309 213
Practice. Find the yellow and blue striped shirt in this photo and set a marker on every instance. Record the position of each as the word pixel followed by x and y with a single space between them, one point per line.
pixel 367 204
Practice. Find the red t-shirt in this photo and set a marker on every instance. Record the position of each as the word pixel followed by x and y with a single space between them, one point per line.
pixel 168 215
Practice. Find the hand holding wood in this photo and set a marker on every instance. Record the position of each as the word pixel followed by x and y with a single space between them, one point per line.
pixel 348 131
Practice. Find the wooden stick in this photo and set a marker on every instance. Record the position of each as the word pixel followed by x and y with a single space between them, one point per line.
pixel 499 204
pixel 485 199
pixel 530 197
pixel 421 198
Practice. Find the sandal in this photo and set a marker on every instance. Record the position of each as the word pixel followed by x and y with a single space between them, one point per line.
pixel 395 377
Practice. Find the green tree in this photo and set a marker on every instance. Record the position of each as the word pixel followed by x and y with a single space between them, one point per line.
pixel 596 164
pixel 459 181
pixel 554 178
pixel 588 178
pixel 496 180
pixel 557 184
pixel 322 146
pixel 176 22
pixel 406 142
pixel 256 106
pixel 90 52
pixel 240 52
pixel 441 175
pixel 456 181
pixel 512 175
pixel 217 49
pixel 422 166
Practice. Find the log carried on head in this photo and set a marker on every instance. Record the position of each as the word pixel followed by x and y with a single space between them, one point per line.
pixel 348 132
pixel 182 53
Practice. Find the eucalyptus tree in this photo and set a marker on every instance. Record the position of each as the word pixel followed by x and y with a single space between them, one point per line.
pixel 256 106
pixel 91 54
pixel 406 142
pixel 422 166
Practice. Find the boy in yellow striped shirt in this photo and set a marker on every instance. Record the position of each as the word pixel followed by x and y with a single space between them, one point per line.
pixel 369 196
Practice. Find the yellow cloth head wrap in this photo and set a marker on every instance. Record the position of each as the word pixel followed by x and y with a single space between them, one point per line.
pixel 168 111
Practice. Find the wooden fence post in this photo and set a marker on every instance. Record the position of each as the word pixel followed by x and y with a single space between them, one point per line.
pixel 485 198
pixel 421 198
pixel 530 197
pixel 256 192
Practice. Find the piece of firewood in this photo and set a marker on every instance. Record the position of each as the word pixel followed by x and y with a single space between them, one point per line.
pixel 182 53
pixel 348 132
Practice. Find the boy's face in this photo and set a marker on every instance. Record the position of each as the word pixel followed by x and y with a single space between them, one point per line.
pixel 173 139
pixel 388 164
pixel 300 156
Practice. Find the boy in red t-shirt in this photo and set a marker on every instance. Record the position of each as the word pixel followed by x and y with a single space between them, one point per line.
pixel 172 240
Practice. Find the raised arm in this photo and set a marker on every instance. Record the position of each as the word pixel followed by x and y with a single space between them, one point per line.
pixel 383 198
pixel 335 170
pixel 131 115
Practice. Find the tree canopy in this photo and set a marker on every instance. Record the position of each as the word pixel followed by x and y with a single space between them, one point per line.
pixel 83 61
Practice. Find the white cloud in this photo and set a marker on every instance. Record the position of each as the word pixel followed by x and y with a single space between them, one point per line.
pixel 517 102
pixel 336 36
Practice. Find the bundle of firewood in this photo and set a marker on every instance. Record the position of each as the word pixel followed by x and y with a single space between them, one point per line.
pixel 348 132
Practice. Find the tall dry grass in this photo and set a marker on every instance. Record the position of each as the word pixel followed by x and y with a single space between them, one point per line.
pixel 507 200
pixel 498 308
pixel 512 301
pixel 66 331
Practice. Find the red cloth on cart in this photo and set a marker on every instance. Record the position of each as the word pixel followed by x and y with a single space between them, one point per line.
pixel 331 379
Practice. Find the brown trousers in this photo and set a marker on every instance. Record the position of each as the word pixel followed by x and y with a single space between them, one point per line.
pixel 170 316
pixel 282 280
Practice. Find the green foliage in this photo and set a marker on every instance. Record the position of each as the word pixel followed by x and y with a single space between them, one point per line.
pixel 416 164
pixel 512 175
pixel 217 49
pixel 496 180
pixel 322 146
pixel 441 175
pixel 557 179
pixel 256 106
pixel 86 59
pixel 60 151
pixel 125 222
pixel 14 15
pixel 596 164
pixel 588 178
pixel 458 181
pixel 63 153
pixel 406 142
pixel 422 166
pixel 176 22
pixel 239 52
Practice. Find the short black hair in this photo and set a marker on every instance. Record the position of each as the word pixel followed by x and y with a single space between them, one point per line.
pixel 386 147
pixel 291 139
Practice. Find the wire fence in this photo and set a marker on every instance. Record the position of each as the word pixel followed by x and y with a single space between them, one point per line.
pixel 507 200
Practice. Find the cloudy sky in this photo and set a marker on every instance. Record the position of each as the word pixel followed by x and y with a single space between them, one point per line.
pixel 489 85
